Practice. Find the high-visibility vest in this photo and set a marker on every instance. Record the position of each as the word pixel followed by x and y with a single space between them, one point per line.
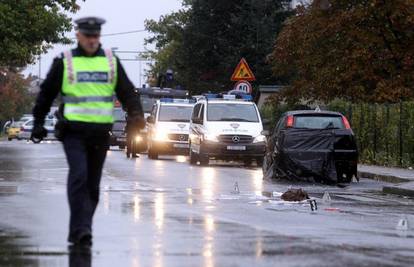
pixel 88 87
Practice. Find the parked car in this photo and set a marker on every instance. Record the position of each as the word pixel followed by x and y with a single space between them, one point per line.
pixel 117 135
pixel 26 129
pixel 312 144
pixel 14 130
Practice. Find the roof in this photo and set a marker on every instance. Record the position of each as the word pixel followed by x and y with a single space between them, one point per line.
pixel 215 101
pixel 312 112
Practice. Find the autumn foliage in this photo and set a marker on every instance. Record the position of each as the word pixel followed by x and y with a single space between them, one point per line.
pixel 359 50
pixel 14 96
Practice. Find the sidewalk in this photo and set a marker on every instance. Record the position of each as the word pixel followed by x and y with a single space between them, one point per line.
pixel 402 178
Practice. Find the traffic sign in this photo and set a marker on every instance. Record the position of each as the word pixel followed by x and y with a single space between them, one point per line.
pixel 243 72
pixel 243 86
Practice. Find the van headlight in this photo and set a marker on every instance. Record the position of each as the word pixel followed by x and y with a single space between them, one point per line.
pixel 211 137
pixel 160 136
pixel 138 139
pixel 259 139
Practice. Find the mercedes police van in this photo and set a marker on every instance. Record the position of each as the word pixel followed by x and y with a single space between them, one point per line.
pixel 226 128
pixel 168 127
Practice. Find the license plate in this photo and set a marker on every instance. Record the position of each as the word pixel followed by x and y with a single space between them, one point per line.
pixel 181 146
pixel 121 139
pixel 239 148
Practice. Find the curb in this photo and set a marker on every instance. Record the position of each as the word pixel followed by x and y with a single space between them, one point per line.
pixel 398 191
pixel 395 190
pixel 383 178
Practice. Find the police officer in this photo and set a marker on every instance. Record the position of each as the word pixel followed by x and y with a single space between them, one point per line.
pixel 86 77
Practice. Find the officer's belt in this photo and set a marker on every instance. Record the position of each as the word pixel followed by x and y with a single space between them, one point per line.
pixel 84 99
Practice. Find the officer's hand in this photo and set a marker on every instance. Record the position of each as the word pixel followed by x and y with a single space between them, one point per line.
pixel 136 121
pixel 38 133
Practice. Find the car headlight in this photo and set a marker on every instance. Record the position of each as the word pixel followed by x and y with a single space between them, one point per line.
pixel 160 136
pixel 259 138
pixel 211 137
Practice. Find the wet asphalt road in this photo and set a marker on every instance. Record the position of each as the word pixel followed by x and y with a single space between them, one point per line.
pixel 168 213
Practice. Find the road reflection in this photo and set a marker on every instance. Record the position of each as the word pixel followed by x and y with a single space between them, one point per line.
pixel 137 208
pixel 208 182
pixel 159 213
pixel 259 247
pixel 208 249
pixel 258 181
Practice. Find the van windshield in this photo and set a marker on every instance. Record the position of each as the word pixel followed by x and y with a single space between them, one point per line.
pixel 231 112
pixel 147 103
pixel 175 113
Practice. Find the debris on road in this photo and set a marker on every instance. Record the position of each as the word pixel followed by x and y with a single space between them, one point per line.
pixel 295 195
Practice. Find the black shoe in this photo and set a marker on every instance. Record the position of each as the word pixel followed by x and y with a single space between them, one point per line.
pixel 83 239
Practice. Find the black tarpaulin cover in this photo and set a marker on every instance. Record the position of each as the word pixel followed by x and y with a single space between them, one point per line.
pixel 304 153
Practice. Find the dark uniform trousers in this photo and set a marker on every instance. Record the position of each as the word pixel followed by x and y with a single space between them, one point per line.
pixel 85 155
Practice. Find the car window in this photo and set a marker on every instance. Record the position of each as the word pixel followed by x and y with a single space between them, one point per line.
pixel 175 113
pixel 232 112
pixel 279 125
pixel 318 122
pixel 30 123
pixel 49 123
pixel 16 124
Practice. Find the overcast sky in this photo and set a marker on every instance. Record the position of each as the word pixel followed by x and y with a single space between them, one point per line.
pixel 121 16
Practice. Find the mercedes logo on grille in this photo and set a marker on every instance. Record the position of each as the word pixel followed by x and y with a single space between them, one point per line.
pixel 182 138
pixel 235 139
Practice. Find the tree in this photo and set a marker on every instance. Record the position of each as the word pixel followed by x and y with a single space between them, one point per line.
pixel 30 27
pixel 14 96
pixel 360 50
pixel 214 35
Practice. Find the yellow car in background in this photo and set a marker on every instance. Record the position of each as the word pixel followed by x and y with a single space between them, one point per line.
pixel 14 130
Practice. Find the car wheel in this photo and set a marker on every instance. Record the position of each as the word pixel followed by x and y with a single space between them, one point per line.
pixel 259 161
pixel 193 158
pixel 247 162
pixel 9 139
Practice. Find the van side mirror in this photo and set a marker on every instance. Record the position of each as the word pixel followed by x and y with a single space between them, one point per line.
pixel 197 121
pixel 151 119
pixel 265 132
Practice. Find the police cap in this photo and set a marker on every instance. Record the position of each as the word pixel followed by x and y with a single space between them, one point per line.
pixel 89 25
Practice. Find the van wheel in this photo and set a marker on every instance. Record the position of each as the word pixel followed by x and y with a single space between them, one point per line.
pixel 152 154
pixel 193 158
pixel 204 160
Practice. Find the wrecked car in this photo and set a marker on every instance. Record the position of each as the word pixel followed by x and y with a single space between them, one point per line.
pixel 309 145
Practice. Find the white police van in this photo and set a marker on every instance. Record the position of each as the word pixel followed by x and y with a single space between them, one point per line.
pixel 168 127
pixel 223 127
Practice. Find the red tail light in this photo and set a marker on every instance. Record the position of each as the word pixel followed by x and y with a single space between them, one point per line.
pixel 289 121
pixel 346 122
pixel 21 129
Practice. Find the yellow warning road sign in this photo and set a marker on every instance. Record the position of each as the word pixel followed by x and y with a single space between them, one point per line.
pixel 243 72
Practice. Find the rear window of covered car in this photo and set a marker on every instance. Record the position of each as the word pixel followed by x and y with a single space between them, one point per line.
pixel 318 122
